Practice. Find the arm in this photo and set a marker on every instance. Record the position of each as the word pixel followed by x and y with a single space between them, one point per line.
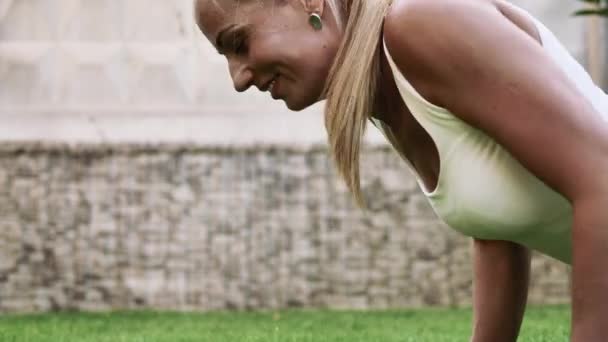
pixel 590 268
pixel 501 278
pixel 467 57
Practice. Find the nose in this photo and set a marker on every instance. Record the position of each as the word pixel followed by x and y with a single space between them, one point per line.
pixel 242 76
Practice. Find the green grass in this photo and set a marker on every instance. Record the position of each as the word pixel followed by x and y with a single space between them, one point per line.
pixel 540 324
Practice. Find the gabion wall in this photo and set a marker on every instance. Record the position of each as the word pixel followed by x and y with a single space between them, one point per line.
pixel 189 228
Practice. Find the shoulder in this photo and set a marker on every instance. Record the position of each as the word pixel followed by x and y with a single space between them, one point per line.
pixel 429 40
pixel 420 15
pixel 415 25
pixel 467 57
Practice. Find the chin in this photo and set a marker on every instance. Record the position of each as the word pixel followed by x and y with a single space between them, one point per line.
pixel 297 106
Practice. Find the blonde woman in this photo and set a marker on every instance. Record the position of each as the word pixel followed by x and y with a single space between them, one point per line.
pixel 505 132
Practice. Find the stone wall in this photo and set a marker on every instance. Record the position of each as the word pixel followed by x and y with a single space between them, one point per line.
pixel 185 227
pixel 198 228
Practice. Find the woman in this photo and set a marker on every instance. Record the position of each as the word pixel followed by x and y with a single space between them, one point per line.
pixel 503 129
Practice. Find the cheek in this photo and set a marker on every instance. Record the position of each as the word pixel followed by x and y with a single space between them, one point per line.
pixel 289 47
pixel 297 61
pixel 302 59
pixel 273 49
pixel 314 66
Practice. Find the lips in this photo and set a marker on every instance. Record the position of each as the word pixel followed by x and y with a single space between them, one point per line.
pixel 274 88
pixel 266 85
pixel 271 86
pixel 272 83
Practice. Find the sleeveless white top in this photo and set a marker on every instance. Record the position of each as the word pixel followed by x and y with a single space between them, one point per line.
pixel 482 191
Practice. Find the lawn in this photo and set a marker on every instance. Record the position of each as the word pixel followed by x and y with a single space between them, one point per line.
pixel 540 324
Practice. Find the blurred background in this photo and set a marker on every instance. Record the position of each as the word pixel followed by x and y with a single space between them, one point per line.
pixel 133 176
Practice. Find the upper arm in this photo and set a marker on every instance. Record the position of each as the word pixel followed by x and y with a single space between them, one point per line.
pixel 468 58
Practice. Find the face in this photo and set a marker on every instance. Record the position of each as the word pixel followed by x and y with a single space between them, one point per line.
pixel 270 44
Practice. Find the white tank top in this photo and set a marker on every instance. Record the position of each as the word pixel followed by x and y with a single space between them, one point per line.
pixel 482 191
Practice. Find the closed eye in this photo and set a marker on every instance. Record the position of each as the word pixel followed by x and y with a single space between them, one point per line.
pixel 239 44
pixel 232 40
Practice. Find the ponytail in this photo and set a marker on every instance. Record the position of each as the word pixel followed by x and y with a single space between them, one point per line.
pixel 351 87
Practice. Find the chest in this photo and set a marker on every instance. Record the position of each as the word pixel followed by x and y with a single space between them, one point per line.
pixel 415 146
pixel 476 186
pixel 484 192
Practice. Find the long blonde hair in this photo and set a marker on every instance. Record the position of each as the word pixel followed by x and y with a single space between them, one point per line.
pixel 351 86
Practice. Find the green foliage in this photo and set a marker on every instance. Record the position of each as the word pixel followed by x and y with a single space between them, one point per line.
pixel 596 7
pixel 546 324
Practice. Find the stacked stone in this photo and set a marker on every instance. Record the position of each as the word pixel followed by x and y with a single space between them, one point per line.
pixel 191 228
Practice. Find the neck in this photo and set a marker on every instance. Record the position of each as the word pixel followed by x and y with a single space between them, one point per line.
pixel 387 100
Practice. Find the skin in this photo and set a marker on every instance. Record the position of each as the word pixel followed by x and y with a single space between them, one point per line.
pixel 522 100
pixel 525 102
pixel 275 39
pixel 501 279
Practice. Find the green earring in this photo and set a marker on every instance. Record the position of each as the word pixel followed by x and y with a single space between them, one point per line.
pixel 315 21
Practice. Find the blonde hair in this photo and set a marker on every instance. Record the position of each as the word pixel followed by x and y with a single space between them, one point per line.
pixel 351 86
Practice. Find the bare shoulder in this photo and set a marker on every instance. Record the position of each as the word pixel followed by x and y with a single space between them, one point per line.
pixel 418 15
pixel 429 39
pixel 469 58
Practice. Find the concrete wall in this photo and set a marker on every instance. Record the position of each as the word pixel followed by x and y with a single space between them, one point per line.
pixel 123 71
pixel 138 70
pixel 190 228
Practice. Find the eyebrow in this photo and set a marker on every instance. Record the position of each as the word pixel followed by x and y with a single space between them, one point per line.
pixel 219 38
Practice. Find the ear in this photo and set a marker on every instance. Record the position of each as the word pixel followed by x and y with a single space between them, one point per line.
pixel 314 6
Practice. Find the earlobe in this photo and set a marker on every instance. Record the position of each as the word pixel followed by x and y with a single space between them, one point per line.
pixel 314 6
